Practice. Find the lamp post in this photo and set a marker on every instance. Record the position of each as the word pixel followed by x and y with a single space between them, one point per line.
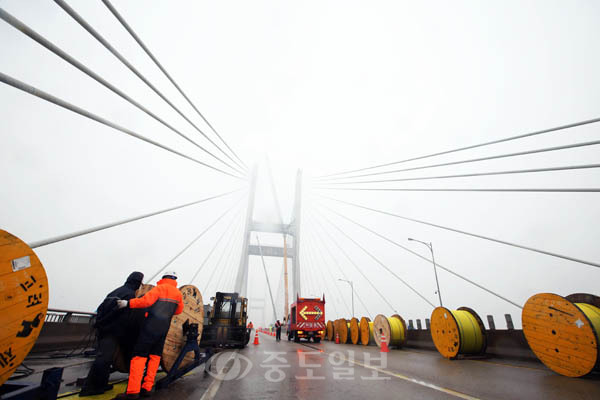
pixel 430 246
pixel 352 289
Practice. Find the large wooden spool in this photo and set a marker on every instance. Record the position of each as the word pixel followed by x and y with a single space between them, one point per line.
pixel 366 331
pixel 354 331
pixel 394 329
pixel 342 328
pixel 458 332
pixel 23 302
pixel 193 311
pixel 564 332
pixel 330 331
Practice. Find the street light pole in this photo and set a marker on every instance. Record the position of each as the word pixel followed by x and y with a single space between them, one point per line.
pixel 437 283
pixel 352 289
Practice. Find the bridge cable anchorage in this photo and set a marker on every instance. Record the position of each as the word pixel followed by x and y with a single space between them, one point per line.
pixel 10 81
pixel 519 190
pixel 548 253
pixel 352 262
pixel 521 171
pixel 230 230
pixel 313 245
pixel 201 267
pixel 471 160
pixel 15 23
pixel 376 259
pixel 190 244
pixel 164 71
pixel 81 21
pixel 75 234
pixel 507 139
pixel 262 258
pixel 426 259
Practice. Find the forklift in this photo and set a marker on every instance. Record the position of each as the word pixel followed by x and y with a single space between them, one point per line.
pixel 225 322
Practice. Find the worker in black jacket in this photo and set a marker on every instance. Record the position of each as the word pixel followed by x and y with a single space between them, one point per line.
pixel 113 326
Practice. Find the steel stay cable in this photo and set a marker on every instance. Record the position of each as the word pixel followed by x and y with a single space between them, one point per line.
pixel 228 266
pixel 561 127
pixel 17 84
pixel 213 248
pixel 342 273
pixel 334 281
pixel 331 291
pixel 159 65
pixel 352 262
pixel 75 234
pixel 548 253
pixel 17 24
pixel 309 279
pixel 527 190
pixel 238 255
pixel 522 171
pixel 377 260
pixel 227 211
pixel 516 154
pixel 231 228
pixel 427 259
pixel 81 21
pixel 262 259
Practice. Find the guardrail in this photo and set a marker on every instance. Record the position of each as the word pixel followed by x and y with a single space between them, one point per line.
pixel 69 316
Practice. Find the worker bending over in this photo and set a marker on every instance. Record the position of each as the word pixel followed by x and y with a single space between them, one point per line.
pixel 162 302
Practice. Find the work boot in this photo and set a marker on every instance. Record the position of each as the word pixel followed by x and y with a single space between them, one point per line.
pixel 108 387
pixel 126 396
pixel 145 393
pixel 90 392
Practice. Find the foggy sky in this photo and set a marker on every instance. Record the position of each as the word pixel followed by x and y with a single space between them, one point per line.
pixel 324 86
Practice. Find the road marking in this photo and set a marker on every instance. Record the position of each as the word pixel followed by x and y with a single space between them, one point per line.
pixel 406 378
pixel 214 386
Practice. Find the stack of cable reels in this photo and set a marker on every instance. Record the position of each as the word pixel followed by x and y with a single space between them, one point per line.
pixel 366 331
pixel 344 330
pixel 330 331
pixel 123 353
pixel 458 332
pixel 193 311
pixel 354 331
pixel 394 329
pixel 24 294
pixel 563 332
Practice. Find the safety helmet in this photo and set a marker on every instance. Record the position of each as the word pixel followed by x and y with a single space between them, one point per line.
pixel 170 275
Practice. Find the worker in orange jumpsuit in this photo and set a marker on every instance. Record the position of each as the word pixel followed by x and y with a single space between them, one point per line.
pixel 162 302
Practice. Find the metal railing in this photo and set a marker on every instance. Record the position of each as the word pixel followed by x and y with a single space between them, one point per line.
pixel 69 316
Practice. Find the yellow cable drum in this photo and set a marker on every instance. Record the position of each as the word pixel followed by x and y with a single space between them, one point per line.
pixel 366 331
pixel 343 329
pixel 394 329
pixel 457 332
pixel 24 294
pixel 354 330
pixel 329 333
pixel 564 332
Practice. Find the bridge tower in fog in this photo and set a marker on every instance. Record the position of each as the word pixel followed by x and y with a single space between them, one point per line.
pixel 286 251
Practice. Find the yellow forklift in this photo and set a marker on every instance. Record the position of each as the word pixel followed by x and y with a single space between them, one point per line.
pixel 225 322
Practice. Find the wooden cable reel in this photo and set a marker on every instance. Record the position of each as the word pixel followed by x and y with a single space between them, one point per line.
pixel 366 331
pixel 563 332
pixel 193 311
pixel 457 332
pixel 329 332
pixel 24 302
pixel 354 331
pixel 394 329
pixel 343 328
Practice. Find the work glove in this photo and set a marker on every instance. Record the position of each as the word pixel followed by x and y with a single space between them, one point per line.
pixel 122 303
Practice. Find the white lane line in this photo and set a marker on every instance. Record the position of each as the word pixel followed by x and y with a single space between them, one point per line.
pixel 214 386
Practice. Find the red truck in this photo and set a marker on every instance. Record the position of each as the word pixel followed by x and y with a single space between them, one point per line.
pixel 307 319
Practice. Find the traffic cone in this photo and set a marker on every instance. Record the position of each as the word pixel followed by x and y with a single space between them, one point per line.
pixel 337 338
pixel 384 345
pixel 256 338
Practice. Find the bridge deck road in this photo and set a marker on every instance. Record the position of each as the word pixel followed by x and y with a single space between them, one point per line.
pixel 288 370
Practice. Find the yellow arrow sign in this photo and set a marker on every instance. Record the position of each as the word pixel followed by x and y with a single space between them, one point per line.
pixel 304 313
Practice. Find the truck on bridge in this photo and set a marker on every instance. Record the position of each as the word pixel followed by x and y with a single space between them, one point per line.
pixel 307 319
